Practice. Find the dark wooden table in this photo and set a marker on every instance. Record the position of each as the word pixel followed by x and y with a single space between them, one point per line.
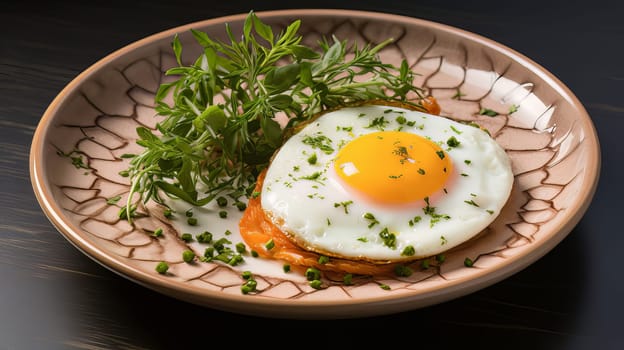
pixel 54 297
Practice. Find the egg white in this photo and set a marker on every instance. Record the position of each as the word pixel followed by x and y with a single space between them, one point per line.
pixel 311 204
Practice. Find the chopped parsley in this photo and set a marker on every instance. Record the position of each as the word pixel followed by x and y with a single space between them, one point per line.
pixel 345 205
pixel 403 271
pixel 389 239
pixel 408 251
pixel 471 202
pixel 452 142
pixel 371 218
pixel 379 123
pixel 321 142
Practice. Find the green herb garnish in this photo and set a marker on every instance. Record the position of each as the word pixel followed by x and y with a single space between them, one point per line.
pixel 220 129
pixel 488 112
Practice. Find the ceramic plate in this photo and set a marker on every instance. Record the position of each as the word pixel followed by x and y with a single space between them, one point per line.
pixel 76 159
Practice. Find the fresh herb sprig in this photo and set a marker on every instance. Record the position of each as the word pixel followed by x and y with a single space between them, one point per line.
pixel 221 128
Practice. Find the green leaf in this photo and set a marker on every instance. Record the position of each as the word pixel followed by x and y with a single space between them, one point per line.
pixel 163 90
pixel 146 134
pixel 262 29
pixel 169 165
pixel 177 49
pixel 303 52
pixel 290 36
pixel 185 178
pixel 272 131
pixel 212 116
pixel 305 74
pixel 247 26
pixel 282 78
pixel 178 192
pixel 280 102
pixel 332 55
pixel 202 38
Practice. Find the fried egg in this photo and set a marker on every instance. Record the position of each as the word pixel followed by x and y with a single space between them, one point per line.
pixel 385 184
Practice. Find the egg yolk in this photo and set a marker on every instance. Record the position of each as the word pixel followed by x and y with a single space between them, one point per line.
pixel 393 167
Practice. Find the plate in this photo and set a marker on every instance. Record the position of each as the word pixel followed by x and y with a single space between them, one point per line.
pixel 77 149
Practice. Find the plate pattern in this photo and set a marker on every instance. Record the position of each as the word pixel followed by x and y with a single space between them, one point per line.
pixel 95 126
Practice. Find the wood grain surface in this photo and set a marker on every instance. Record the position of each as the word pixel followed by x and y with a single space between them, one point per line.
pixel 54 297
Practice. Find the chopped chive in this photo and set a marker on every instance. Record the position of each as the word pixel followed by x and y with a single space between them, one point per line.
pixel 455 130
pixel 488 112
pixel 246 275
pixel 347 279
pixel 286 268
pixel 187 237
pixel 403 271
pixel 323 259
pixel 249 286
pixel 312 274
pixel 168 213
pixel 235 260
pixel 191 221
pixel 471 202
pixel 188 256
pixel 269 244
pixel 316 284
pixel 240 248
pixel 158 232
pixel 468 262
pixel 222 201
pixel 204 237
pixel 209 252
pixel 408 251
pixel 452 142
pixel 162 267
